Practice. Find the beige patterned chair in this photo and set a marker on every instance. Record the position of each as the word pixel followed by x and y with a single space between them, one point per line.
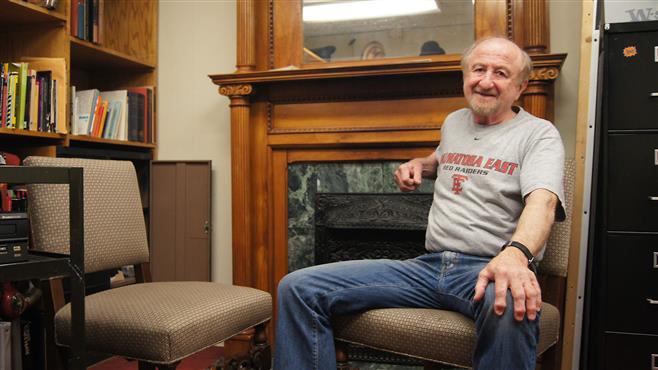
pixel 446 337
pixel 156 323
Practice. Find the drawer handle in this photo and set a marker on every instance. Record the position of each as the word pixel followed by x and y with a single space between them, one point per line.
pixel 655 260
pixel 652 301
pixel 654 94
pixel 653 198
pixel 654 357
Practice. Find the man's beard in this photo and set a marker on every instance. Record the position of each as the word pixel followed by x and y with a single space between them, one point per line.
pixel 483 109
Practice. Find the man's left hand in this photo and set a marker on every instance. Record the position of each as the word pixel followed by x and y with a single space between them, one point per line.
pixel 509 270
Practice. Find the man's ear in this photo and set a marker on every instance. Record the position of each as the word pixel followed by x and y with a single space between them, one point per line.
pixel 522 88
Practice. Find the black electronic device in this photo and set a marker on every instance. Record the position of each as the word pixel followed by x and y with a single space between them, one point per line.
pixel 13 237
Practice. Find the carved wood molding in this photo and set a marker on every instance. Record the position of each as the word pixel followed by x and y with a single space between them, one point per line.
pixel 544 74
pixel 402 67
pixel 509 18
pixel 270 33
pixel 432 126
pixel 374 96
pixel 236 90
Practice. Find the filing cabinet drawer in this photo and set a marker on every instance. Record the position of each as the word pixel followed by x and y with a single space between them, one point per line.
pixel 632 80
pixel 632 284
pixel 630 352
pixel 632 191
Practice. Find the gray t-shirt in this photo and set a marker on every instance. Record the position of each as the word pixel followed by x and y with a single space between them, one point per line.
pixel 483 176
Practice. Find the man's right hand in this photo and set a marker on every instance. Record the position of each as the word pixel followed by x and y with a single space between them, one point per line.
pixel 409 175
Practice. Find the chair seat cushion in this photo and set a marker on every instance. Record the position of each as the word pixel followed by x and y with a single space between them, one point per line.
pixel 186 317
pixel 429 334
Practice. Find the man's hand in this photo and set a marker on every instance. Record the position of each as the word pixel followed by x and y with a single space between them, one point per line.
pixel 510 270
pixel 409 175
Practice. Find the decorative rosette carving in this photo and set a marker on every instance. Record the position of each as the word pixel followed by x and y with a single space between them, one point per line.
pixel 550 73
pixel 235 90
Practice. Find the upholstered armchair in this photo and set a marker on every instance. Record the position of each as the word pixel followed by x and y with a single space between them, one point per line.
pixel 158 323
pixel 447 337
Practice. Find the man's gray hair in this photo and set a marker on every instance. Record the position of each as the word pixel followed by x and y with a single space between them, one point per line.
pixel 526 62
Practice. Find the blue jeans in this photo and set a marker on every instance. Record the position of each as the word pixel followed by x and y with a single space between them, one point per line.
pixel 308 298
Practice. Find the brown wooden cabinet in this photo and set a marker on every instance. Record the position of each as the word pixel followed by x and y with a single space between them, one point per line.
pixel 180 220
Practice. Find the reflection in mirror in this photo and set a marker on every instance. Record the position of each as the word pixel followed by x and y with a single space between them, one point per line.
pixel 342 30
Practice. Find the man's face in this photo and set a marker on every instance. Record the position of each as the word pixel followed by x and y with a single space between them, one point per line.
pixel 491 81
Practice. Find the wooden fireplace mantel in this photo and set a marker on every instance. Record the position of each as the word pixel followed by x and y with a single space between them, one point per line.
pixel 283 112
pixel 546 67
pixel 376 111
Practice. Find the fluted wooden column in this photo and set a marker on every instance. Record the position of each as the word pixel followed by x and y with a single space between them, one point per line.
pixel 246 43
pixel 535 27
pixel 535 97
pixel 240 170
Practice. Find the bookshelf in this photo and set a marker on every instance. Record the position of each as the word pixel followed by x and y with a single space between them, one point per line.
pixel 125 57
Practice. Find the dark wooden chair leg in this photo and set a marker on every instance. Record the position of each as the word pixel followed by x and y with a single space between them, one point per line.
pixel 169 366
pixel 259 356
pixel 260 353
pixel 342 359
pixel 143 365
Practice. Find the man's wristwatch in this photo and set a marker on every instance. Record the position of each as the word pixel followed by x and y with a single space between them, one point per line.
pixel 532 264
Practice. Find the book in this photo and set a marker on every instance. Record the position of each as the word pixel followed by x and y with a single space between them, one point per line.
pixel 45 88
pixel 21 92
pixel 58 83
pixel 110 129
pixel 28 101
pixel 86 107
pixel 74 111
pixel 2 84
pixel 120 125
pixel 12 96
pixel 5 92
pixel 93 125
pixel 145 107
pixel 103 119
pixel 133 115
pixel 74 18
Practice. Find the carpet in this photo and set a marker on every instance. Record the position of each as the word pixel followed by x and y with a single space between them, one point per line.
pixel 199 361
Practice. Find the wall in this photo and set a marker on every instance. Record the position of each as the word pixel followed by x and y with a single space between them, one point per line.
pixel 197 38
pixel 565 38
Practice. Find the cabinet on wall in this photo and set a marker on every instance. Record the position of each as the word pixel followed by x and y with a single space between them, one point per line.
pixel 623 265
pixel 180 225
pixel 126 57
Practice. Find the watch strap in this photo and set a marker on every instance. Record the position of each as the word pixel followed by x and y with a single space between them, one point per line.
pixel 520 246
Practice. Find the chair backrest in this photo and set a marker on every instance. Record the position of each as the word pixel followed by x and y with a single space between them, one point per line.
pixel 556 256
pixel 114 228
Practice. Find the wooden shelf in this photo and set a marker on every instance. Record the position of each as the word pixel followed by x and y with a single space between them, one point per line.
pixel 85 54
pixel 33 134
pixel 91 139
pixel 15 12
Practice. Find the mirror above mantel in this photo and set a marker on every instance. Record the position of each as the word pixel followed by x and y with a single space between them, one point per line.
pixel 338 30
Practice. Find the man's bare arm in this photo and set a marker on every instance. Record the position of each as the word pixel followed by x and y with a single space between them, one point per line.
pixel 509 270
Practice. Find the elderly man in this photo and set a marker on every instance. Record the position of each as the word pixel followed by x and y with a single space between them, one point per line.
pixel 497 192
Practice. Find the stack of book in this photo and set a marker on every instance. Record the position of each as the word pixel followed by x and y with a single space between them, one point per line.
pixel 119 115
pixel 87 20
pixel 29 92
